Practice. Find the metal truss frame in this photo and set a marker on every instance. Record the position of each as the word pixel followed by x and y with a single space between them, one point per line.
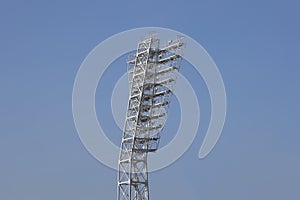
pixel 152 74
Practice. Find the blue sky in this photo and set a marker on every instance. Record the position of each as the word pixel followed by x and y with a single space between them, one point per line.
pixel 255 45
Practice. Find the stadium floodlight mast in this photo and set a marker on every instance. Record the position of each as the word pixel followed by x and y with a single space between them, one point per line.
pixel 152 74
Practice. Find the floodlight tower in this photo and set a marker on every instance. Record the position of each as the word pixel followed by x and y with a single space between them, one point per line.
pixel 152 73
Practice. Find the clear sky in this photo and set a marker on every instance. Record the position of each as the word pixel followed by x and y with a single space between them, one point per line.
pixel 255 45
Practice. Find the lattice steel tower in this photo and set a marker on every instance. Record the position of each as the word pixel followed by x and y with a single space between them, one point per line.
pixel 152 73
